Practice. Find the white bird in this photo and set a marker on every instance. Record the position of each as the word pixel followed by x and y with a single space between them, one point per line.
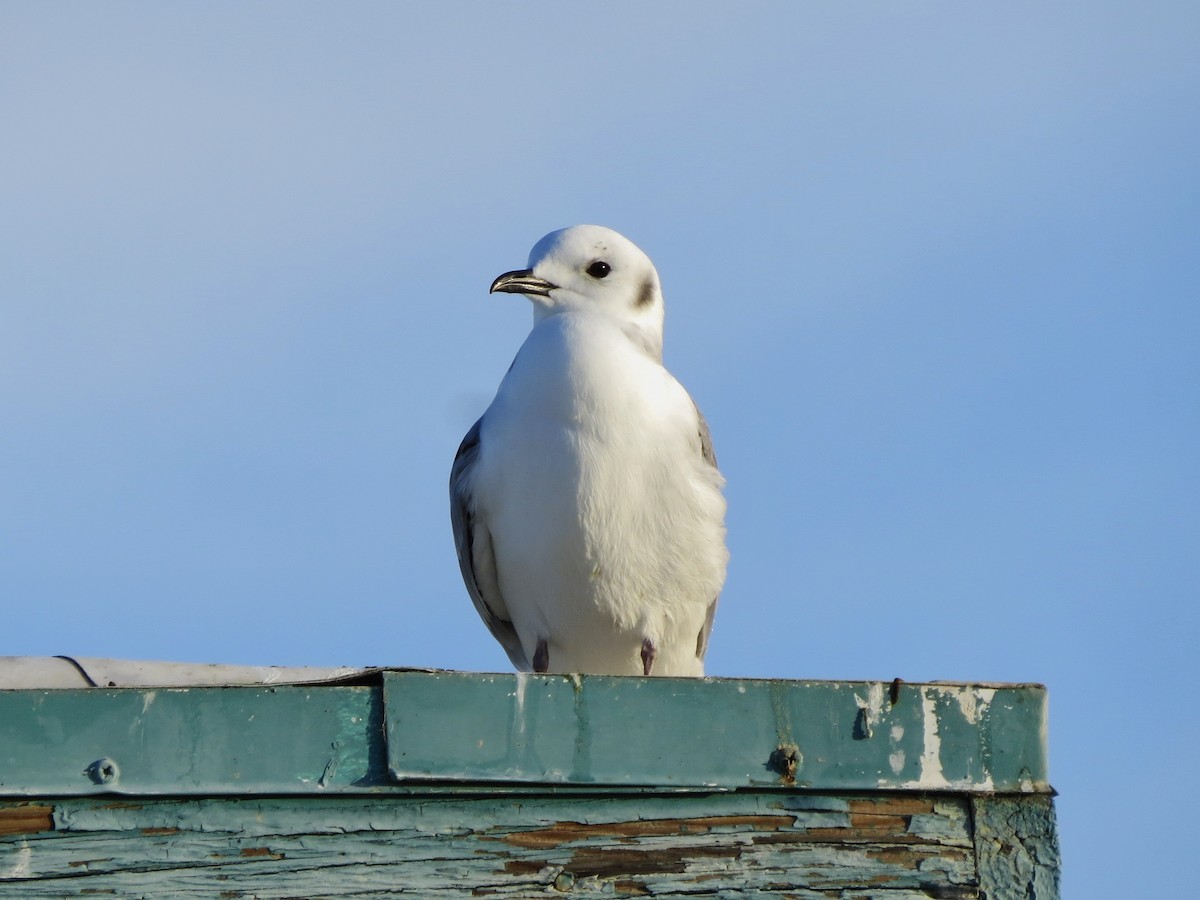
pixel 586 501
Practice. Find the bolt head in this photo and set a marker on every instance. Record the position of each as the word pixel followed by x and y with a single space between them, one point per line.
pixel 103 771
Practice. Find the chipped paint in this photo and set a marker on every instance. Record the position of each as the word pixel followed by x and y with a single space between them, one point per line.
pixel 21 864
pixel 936 702
pixel 449 728
pixel 761 843
pixel 924 742
pixel 570 832
pixel 974 702
pixel 522 682
pixel 870 707
pixel 931 754
pixel 898 756
pixel 533 784
pixel 1016 845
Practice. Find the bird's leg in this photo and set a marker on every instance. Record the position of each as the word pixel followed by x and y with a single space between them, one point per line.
pixel 649 651
pixel 541 657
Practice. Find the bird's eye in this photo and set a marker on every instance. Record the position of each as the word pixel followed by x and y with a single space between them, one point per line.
pixel 599 269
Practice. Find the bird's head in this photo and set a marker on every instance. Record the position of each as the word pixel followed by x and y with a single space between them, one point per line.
pixel 588 267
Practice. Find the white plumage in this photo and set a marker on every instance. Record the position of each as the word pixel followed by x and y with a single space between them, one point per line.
pixel 586 501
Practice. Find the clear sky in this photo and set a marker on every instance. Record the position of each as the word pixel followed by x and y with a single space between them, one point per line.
pixel 931 273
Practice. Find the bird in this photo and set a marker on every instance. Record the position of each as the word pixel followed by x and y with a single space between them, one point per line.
pixel 587 508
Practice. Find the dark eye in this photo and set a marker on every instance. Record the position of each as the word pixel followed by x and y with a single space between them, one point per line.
pixel 599 269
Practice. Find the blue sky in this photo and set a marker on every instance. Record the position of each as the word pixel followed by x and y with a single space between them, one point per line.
pixel 930 270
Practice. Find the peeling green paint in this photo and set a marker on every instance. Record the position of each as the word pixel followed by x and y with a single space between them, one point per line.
pixel 1017 844
pixel 453 785
pixel 726 733
pixel 737 845
pixel 191 740
pixel 876 846
pixel 531 730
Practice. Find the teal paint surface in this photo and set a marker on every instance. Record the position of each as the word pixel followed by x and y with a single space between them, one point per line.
pixel 722 733
pixel 457 785
pixel 226 740
pixel 1017 844
pixel 522 731
pixel 750 844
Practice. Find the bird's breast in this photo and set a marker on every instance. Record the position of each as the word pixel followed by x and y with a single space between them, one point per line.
pixel 588 371
pixel 592 476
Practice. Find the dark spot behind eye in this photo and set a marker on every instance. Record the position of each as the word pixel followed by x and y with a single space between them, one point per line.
pixel 599 269
pixel 645 293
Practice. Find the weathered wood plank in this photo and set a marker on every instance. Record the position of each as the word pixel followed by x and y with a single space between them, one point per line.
pixel 721 845
pixel 1016 841
pixel 25 818
pixel 448 785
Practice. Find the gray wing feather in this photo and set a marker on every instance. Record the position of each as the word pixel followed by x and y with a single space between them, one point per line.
pixel 467 533
pixel 710 457
pixel 706 444
pixel 706 630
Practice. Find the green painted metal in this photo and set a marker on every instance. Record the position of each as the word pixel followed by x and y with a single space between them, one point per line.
pixel 715 733
pixel 458 785
pixel 514 733
pixel 228 740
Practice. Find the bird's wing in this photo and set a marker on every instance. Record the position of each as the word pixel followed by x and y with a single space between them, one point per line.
pixel 475 556
pixel 710 457
pixel 706 444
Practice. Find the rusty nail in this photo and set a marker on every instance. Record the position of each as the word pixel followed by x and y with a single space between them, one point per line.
pixel 785 760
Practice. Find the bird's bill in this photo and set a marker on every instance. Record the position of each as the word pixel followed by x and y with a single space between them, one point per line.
pixel 522 281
